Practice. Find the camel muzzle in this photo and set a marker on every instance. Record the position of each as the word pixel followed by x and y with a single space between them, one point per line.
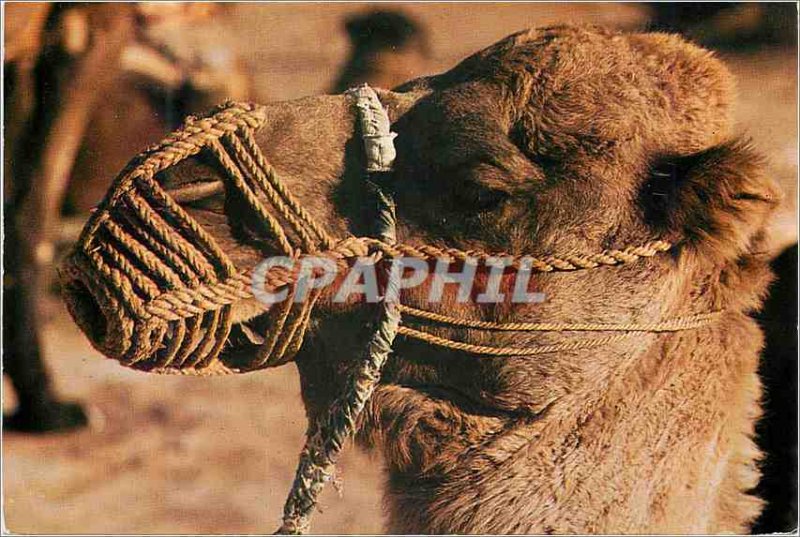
pixel 147 284
pixel 151 287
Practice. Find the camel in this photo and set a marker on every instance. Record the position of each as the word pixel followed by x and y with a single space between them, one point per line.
pixel 387 49
pixel 552 142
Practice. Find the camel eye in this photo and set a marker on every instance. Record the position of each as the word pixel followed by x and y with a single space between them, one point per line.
pixel 658 194
pixel 475 197
pixel 480 187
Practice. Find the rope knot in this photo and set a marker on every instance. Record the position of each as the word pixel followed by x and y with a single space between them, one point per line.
pixel 352 247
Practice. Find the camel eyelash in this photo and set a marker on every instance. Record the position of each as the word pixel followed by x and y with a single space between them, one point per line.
pixel 663 179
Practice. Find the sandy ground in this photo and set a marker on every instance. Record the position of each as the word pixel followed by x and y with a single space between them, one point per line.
pixel 198 455
pixel 171 454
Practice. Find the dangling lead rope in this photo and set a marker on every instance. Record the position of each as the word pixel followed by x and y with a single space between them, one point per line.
pixel 326 438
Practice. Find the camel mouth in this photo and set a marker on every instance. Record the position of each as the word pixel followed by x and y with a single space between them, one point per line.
pixel 149 332
pixel 149 285
pixel 165 349
pixel 244 340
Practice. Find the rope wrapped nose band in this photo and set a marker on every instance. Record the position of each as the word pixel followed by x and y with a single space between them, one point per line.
pixel 154 290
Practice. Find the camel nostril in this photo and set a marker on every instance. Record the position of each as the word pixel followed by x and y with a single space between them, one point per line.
pixel 87 311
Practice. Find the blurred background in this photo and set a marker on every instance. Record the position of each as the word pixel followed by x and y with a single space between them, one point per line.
pixel 90 447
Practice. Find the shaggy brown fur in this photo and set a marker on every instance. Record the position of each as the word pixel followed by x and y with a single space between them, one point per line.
pixel 551 141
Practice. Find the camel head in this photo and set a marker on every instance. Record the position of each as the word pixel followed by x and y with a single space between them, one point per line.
pixel 553 143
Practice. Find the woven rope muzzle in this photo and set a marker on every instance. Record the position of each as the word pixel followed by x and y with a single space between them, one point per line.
pixel 145 281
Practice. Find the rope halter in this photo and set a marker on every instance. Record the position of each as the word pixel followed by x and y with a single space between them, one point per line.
pixel 154 290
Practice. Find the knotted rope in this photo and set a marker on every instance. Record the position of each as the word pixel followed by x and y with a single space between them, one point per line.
pixel 167 287
pixel 326 438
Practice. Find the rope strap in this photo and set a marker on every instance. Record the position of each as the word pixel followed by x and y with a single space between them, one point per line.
pixel 671 325
pixel 567 263
pixel 630 329
pixel 326 438
pixel 186 302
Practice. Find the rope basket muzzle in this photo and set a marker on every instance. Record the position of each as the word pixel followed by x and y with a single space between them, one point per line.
pixel 145 281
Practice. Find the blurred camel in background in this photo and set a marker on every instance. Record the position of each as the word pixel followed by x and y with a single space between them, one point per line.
pixel 387 49
pixel 728 25
pixel 85 85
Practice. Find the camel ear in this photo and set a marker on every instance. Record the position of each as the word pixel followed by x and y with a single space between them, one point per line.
pixel 716 201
